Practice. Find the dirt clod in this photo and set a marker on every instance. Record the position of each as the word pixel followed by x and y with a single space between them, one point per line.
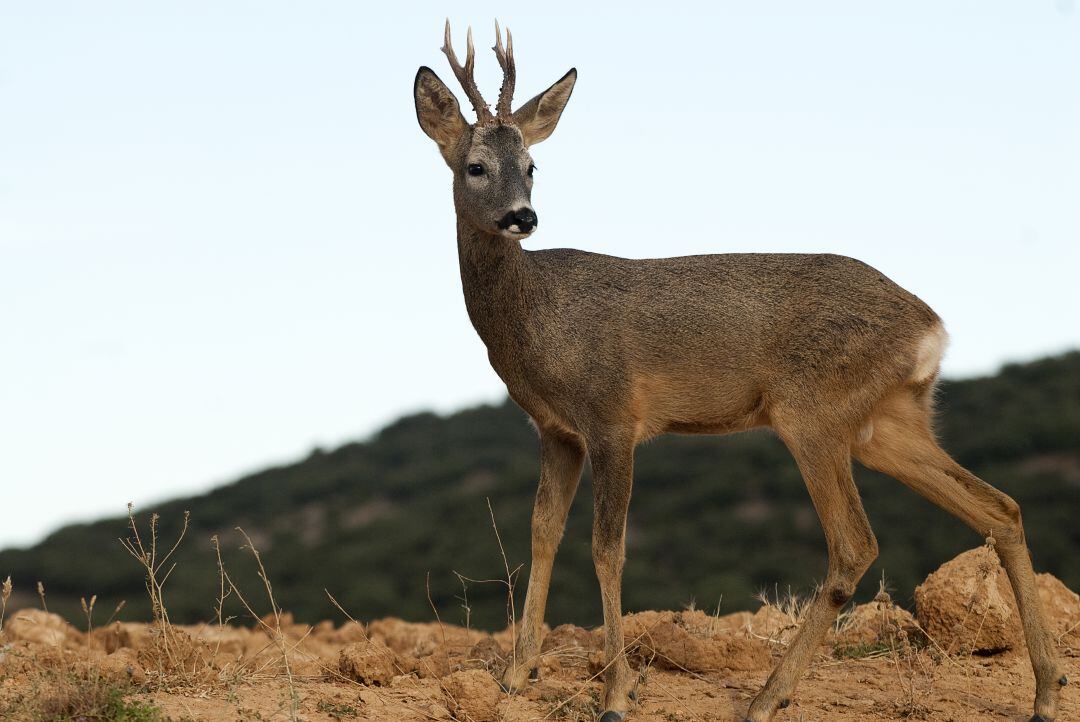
pixel 876 623
pixel 680 640
pixel 487 650
pixel 472 695
pixel 967 605
pixel 371 663
pixel 569 637
pixel 1062 607
pixel 123 666
pixel 35 625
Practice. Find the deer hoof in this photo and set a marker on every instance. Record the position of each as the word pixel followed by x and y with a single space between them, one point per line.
pixel 1040 718
pixel 611 716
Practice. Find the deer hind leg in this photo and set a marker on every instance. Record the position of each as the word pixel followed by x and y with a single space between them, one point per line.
pixel 561 459
pixel 613 476
pixel 903 446
pixel 825 464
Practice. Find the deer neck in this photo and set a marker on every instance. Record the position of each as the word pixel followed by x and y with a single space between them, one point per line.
pixel 496 277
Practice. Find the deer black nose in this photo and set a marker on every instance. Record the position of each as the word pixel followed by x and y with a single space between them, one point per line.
pixel 523 218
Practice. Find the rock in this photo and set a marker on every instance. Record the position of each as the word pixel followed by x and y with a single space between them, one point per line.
pixel 432 666
pixel 967 605
pixel 419 639
pixel 304 664
pixel 289 627
pixel 975 583
pixel 676 649
pixel 437 711
pixel 472 695
pixel 123 666
pixel 875 623
pixel 487 650
pixel 123 634
pixel 371 663
pixel 734 622
pixel 348 632
pixel 568 637
pixel 35 625
pixel 1062 607
pixel 682 640
pixel 233 641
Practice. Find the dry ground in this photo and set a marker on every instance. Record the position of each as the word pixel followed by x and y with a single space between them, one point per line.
pixel 879 663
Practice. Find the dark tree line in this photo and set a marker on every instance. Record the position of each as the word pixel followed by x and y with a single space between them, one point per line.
pixel 710 517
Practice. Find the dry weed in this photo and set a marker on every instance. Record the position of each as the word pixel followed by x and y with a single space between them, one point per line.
pixel 65 685
pixel 274 631
pixel 5 594
pixel 176 658
pixel 789 606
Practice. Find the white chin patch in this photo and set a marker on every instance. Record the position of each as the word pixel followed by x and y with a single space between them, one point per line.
pixel 514 231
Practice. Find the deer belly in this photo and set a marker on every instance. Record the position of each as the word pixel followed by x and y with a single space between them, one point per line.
pixel 695 405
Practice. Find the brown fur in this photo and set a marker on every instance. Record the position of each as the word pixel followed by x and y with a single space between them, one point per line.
pixel 605 352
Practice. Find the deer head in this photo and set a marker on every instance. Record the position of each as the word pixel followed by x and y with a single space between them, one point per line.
pixel 493 171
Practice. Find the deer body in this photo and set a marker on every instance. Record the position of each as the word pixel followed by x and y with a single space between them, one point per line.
pixel 605 352
pixel 698 344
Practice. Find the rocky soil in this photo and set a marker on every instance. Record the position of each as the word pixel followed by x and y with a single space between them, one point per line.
pixel 958 657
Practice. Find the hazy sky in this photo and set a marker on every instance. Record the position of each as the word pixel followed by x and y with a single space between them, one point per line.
pixel 224 239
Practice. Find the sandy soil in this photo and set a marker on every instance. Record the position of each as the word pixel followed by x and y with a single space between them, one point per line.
pixel 878 663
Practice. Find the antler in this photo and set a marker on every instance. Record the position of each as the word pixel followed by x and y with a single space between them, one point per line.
pixel 465 76
pixel 506 61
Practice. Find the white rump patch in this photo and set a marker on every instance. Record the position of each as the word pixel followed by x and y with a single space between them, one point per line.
pixel 866 433
pixel 928 355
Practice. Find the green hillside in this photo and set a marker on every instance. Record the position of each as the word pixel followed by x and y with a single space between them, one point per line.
pixel 710 516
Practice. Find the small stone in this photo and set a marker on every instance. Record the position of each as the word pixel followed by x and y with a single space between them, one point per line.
pixel 472 694
pixel 371 663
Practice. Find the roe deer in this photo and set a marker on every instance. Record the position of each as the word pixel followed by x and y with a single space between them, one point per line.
pixel 605 352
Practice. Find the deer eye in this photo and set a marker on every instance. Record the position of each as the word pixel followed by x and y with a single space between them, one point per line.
pixel 475 169
pixel 532 168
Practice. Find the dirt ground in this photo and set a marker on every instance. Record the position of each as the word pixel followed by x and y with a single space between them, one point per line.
pixel 880 662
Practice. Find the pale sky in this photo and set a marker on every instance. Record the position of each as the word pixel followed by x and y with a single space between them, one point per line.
pixel 224 239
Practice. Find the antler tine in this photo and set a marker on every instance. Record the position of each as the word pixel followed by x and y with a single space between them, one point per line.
pixel 465 74
pixel 506 61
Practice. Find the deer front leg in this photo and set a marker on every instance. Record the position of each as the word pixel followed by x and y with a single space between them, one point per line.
pixel 613 476
pixel 561 459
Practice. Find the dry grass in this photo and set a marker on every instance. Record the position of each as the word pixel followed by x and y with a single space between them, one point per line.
pixel 61 685
pixel 916 661
pixel 791 606
pixel 177 660
pixel 273 630
pixel 78 694
pixel 5 595
pixel 65 686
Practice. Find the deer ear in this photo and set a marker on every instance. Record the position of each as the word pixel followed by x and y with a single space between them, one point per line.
pixel 438 111
pixel 537 119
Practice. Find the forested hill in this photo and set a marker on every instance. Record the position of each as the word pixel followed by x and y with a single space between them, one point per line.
pixel 710 517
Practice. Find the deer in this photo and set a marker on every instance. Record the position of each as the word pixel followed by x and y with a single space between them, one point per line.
pixel 604 353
